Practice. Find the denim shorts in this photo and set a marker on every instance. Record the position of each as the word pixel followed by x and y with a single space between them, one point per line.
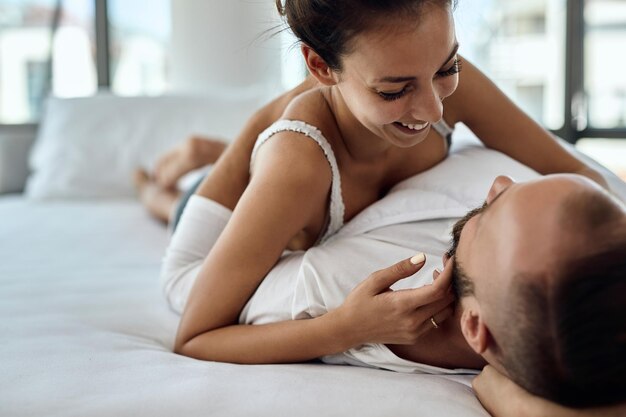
pixel 183 202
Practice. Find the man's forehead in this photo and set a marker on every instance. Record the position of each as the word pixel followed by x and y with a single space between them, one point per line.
pixel 518 230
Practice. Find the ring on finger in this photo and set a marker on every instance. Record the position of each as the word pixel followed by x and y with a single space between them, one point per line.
pixel 432 320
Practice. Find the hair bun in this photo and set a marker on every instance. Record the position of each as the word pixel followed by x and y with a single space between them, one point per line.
pixel 280 7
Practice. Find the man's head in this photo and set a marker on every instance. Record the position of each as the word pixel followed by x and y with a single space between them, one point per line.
pixel 540 271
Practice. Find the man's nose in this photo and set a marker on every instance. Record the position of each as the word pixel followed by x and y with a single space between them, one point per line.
pixel 501 183
pixel 427 105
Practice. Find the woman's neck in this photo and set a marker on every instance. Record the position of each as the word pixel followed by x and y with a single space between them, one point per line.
pixel 360 143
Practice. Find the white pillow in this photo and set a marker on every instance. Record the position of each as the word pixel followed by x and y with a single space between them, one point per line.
pixel 459 183
pixel 90 147
pixel 451 188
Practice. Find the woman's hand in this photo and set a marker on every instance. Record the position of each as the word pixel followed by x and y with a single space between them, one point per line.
pixel 373 313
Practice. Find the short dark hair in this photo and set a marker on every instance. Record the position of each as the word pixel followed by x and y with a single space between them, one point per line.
pixel 328 26
pixel 567 336
pixel 462 284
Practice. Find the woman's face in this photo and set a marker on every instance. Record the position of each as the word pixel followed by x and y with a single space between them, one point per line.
pixel 396 76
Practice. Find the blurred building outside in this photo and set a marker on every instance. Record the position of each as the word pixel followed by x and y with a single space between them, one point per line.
pixel 521 45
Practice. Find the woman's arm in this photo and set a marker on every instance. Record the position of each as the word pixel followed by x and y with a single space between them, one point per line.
pixel 503 126
pixel 271 210
pixel 372 313
pixel 503 398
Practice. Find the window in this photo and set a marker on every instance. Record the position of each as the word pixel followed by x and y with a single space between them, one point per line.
pixel 30 55
pixel 609 152
pixel 520 45
pixel 524 47
pixel 138 47
pixel 605 43
pixel 34 62
pixel 560 60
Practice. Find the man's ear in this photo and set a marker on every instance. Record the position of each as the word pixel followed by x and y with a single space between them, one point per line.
pixel 318 67
pixel 474 329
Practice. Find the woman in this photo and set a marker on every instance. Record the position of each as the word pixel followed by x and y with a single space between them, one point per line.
pixel 384 70
pixel 380 74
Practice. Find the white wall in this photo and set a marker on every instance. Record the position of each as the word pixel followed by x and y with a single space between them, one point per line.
pixel 218 45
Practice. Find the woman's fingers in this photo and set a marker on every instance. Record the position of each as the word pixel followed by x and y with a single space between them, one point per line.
pixel 380 315
pixel 440 310
pixel 442 315
pixel 381 280
pixel 440 289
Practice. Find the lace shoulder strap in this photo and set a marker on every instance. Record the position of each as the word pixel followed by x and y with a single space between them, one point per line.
pixel 445 131
pixel 337 208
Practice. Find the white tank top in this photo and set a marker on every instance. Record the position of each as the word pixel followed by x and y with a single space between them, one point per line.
pixel 337 207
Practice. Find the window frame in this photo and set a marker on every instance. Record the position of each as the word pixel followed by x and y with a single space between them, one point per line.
pixel 103 55
pixel 575 109
pixel 575 99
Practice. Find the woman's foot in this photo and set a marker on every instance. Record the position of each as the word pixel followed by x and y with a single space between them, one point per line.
pixel 158 200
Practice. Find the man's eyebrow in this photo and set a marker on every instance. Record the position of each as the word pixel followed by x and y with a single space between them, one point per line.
pixel 401 79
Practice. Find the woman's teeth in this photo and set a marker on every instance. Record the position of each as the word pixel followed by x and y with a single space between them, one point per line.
pixel 415 126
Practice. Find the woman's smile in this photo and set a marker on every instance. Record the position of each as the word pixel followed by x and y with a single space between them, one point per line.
pixel 412 129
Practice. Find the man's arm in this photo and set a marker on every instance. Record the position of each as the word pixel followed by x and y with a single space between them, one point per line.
pixel 503 398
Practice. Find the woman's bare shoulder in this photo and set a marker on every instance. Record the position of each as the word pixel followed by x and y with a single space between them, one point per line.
pixel 312 108
pixel 287 149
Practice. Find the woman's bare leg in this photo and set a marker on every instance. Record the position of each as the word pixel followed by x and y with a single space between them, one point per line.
pixel 229 177
pixel 191 154
pixel 158 192
pixel 159 201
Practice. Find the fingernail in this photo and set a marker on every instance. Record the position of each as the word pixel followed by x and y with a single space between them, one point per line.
pixel 436 273
pixel 418 259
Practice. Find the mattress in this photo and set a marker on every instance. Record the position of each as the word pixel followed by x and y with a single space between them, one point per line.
pixel 86 332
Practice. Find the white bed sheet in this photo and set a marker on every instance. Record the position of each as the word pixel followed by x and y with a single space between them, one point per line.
pixel 85 332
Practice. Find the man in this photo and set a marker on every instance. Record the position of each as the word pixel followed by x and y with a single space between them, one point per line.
pixel 548 309
pixel 540 272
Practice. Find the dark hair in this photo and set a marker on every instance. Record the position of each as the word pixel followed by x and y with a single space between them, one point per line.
pixel 462 284
pixel 328 26
pixel 566 338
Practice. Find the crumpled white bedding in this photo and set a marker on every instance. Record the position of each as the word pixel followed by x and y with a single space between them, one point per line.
pixel 86 332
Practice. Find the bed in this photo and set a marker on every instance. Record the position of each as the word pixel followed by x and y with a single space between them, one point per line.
pixel 85 329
